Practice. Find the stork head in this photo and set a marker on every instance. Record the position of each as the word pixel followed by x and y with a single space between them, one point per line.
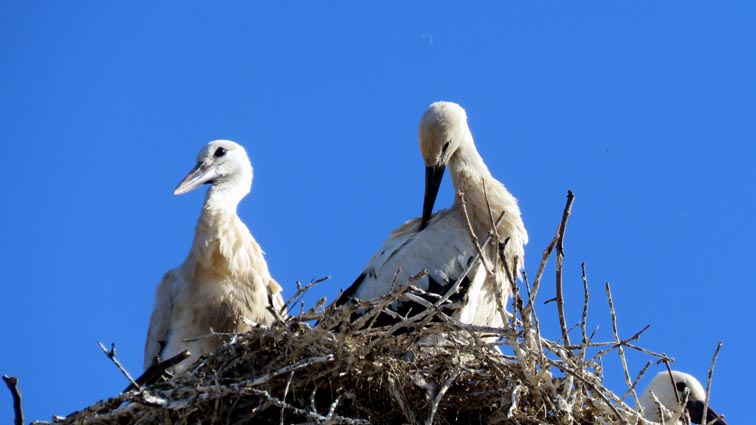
pixel 443 129
pixel 222 164
pixel 668 390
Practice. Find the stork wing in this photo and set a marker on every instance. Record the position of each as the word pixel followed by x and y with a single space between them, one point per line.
pixel 394 243
pixel 160 321
pixel 443 249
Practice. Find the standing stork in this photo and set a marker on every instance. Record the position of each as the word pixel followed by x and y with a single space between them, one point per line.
pixel 670 392
pixel 441 243
pixel 224 279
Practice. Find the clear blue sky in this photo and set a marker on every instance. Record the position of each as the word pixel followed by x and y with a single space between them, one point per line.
pixel 647 110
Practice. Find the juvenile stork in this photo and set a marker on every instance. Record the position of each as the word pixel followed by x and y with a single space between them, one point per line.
pixel 670 391
pixel 441 243
pixel 224 282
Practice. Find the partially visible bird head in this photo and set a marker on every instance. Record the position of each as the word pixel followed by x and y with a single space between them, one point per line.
pixel 443 129
pixel 668 392
pixel 223 164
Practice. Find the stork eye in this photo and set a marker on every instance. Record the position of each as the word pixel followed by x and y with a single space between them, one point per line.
pixel 220 152
pixel 445 147
pixel 680 386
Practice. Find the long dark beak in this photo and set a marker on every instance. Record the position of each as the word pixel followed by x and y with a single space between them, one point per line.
pixel 695 408
pixel 433 177
pixel 199 175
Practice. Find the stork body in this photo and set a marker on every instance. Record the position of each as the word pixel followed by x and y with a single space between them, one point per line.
pixel 224 279
pixel 671 394
pixel 441 243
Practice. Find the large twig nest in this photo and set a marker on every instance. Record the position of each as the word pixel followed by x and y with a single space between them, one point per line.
pixel 428 368
pixel 295 373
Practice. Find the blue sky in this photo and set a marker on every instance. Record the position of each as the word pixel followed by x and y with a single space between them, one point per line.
pixel 646 110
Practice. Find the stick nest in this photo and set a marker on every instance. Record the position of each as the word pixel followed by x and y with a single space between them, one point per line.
pixel 304 374
pixel 346 372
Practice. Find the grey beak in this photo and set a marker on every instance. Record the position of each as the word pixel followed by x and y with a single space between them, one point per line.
pixel 199 175
pixel 433 177
pixel 695 408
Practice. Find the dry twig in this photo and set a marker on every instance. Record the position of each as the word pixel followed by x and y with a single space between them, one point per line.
pixel 708 378
pixel 620 348
pixel 111 354
pixel 12 383
pixel 560 260
pixel 157 370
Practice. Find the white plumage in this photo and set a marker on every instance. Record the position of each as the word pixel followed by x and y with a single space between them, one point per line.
pixel 671 394
pixel 224 279
pixel 441 243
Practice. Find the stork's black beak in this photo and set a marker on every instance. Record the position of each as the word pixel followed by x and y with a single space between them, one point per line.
pixel 695 408
pixel 433 177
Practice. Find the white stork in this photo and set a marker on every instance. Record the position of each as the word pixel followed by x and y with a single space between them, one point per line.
pixel 441 243
pixel 671 393
pixel 224 282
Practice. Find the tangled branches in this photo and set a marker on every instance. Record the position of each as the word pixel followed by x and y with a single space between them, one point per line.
pixel 347 371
